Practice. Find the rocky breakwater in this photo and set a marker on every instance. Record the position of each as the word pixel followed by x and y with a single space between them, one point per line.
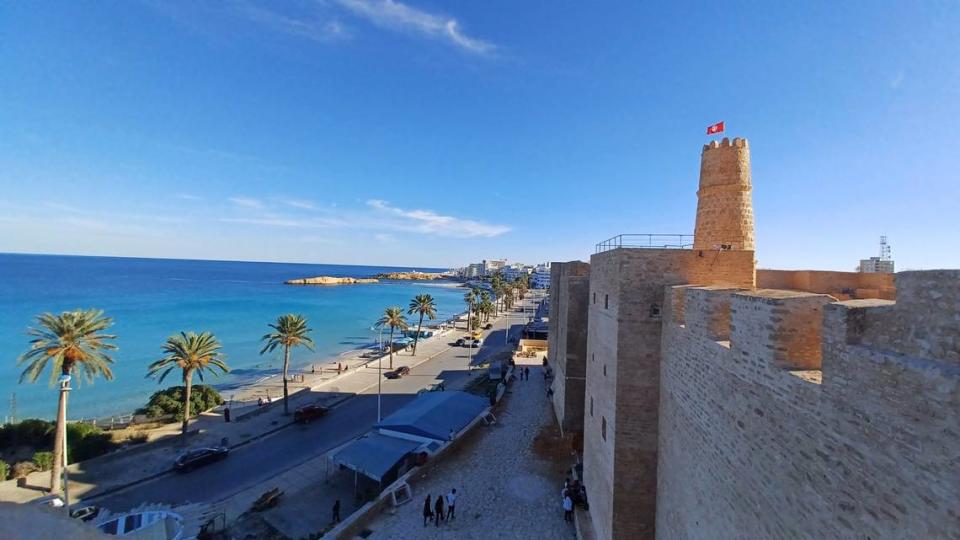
pixel 414 275
pixel 328 280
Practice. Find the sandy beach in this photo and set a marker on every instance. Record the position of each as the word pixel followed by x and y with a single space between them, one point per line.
pixel 242 396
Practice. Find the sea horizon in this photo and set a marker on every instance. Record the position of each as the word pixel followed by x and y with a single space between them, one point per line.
pixel 152 298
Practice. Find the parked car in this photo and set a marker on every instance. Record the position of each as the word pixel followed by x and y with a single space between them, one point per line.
pixel 85 513
pixel 397 373
pixel 468 342
pixel 53 501
pixel 488 326
pixel 199 457
pixel 308 413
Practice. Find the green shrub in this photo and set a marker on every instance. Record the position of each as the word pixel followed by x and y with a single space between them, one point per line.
pixel 43 460
pixel 30 432
pixel 23 468
pixel 4 470
pixel 170 401
pixel 87 441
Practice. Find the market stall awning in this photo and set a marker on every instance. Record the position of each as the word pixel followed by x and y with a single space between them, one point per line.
pixel 434 415
pixel 373 455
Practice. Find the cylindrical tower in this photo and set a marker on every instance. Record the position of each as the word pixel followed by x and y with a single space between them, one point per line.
pixel 724 200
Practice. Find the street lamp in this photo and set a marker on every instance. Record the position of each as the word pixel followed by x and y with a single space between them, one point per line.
pixel 379 369
pixel 64 381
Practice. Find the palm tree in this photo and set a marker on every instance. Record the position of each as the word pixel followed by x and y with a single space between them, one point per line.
pixel 508 296
pixel 424 305
pixel 470 298
pixel 481 307
pixel 290 331
pixel 393 317
pixel 522 285
pixel 486 308
pixel 192 353
pixel 71 341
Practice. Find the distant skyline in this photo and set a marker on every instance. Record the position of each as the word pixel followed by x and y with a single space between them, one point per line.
pixel 435 134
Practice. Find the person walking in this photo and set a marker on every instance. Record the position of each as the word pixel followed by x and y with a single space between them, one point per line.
pixel 438 511
pixel 336 511
pixel 526 372
pixel 567 507
pixel 452 504
pixel 427 511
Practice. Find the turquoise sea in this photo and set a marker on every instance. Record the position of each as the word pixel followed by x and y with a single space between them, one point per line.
pixel 150 299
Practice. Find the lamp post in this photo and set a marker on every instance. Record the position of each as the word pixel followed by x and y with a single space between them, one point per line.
pixel 379 366
pixel 64 381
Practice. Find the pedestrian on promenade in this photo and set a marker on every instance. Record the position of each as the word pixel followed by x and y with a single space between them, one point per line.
pixel 452 504
pixel 526 372
pixel 427 511
pixel 567 507
pixel 336 511
pixel 438 510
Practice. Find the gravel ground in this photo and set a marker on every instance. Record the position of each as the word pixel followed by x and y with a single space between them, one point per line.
pixel 504 489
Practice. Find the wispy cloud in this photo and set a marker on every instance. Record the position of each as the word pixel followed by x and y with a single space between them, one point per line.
pixel 401 17
pixel 376 215
pixel 302 204
pixel 290 222
pixel 430 222
pixel 246 202
pixel 311 24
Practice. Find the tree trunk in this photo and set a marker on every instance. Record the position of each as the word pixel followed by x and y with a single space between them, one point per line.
pixel 416 339
pixel 286 366
pixel 188 382
pixel 391 347
pixel 61 426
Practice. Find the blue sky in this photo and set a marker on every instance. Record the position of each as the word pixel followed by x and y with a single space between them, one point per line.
pixel 432 133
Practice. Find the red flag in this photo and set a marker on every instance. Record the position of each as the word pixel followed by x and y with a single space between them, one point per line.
pixel 716 128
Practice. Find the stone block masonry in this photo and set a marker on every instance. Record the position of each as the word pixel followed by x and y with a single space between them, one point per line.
pixel 569 293
pixel 724 200
pixel 623 375
pixel 817 419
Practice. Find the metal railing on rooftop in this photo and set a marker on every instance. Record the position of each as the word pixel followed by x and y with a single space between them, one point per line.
pixel 648 241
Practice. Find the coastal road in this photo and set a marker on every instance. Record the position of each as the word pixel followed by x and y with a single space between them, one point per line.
pixel 265 458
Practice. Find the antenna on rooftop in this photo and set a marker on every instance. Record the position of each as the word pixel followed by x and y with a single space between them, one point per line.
pixel 884 249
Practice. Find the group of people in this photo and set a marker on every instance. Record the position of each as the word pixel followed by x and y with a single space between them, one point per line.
pixel 524 373
pixel 261 402
pixel 444 508
pixel 573 493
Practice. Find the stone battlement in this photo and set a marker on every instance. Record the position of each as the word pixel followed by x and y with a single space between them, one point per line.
pixel 827 408
pixel 736 143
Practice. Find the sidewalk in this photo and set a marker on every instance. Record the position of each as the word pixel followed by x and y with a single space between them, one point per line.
pixel 114 471
pixel 504 489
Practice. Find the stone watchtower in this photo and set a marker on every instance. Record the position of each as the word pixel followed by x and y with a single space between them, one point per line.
pixel 724 200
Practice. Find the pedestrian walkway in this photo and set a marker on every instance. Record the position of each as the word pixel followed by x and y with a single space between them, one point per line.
pixel 504 490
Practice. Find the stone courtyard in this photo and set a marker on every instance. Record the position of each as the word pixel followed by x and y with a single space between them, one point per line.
pixel 505 490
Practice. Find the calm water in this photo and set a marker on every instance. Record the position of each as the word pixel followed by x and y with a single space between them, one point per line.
pixel 149 299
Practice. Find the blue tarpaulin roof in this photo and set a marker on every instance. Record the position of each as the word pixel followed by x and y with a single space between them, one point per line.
pixel 435 414
pixel 374 454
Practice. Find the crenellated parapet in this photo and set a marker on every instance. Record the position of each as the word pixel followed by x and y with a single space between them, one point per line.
pixel 845 412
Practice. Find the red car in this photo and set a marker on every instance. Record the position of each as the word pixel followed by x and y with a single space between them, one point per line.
pixel 308 413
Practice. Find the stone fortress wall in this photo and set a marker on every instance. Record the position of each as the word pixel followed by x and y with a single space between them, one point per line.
pixel 567 340
pixel 787 414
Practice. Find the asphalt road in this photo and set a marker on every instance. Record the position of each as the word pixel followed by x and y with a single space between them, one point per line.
pixel 265 458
